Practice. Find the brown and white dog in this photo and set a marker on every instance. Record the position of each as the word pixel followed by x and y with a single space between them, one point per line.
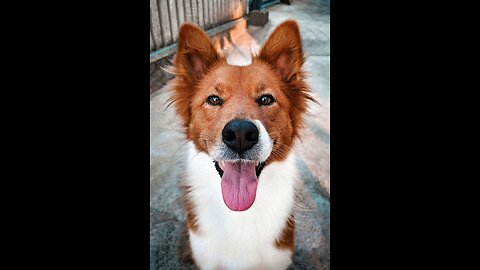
pixel 241 123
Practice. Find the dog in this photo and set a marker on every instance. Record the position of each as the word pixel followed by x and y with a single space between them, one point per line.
pixel 241 123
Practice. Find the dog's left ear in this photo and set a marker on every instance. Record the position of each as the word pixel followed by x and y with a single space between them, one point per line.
pixel 283 50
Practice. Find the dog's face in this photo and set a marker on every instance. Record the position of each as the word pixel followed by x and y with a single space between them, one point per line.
pixel 244 117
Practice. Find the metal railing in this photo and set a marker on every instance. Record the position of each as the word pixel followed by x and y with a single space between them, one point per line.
pixel 166 16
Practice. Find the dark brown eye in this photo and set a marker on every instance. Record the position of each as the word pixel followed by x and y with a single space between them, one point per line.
pixel 265 100
pixel 214 100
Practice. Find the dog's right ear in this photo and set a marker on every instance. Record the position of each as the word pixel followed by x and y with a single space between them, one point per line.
pixel 195 54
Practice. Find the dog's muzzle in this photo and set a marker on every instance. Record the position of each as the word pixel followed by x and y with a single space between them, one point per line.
pixel 239 160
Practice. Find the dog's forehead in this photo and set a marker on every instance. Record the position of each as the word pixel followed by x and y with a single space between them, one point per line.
pixel 249 78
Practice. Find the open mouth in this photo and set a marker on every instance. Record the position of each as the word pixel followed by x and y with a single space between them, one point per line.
pixel 239 182
pixel 258 167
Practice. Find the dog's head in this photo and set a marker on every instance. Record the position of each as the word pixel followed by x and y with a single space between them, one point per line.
pixel 243 117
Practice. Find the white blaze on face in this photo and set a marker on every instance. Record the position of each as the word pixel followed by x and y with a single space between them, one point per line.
pixel 264 141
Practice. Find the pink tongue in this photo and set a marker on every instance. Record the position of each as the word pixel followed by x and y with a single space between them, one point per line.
pixel 239 185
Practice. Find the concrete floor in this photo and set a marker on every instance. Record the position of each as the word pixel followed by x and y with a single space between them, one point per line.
pixel 312 235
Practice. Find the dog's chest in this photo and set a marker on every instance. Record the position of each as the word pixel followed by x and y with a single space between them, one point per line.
pixel 226 239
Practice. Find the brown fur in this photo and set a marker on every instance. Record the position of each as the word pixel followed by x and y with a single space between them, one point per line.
pixel 286 240
pixel 188 206
pixel 277 70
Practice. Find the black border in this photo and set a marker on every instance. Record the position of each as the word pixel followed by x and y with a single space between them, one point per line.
pixel 80 135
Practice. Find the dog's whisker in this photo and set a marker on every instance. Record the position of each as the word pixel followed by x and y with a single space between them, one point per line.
pixel 172 129
pixel 291 148
pixel 196 154
pixel 172 159
pixel 288 122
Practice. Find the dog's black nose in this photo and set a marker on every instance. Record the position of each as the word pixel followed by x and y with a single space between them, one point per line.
pixel 240 135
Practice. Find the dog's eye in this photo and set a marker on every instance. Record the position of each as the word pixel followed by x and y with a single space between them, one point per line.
pixel 214 100
pixel 265 100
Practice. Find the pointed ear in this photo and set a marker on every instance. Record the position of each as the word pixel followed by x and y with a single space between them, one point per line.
pixel 195 53
pixel 283 50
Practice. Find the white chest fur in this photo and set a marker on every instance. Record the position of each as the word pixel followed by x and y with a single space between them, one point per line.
pixel 226 239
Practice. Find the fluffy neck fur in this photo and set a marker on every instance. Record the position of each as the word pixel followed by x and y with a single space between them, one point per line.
pixel 224 239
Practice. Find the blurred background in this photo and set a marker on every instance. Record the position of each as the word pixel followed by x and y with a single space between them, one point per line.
pixel 237 28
